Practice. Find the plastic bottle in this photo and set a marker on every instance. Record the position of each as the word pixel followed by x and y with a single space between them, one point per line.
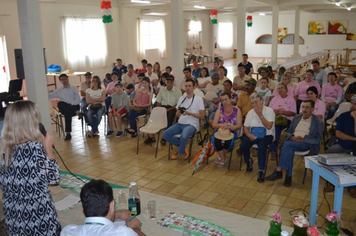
pixel 134 200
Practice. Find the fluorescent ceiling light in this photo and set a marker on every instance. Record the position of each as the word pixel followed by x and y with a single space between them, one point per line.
pixel 199 6
pixel 149 12
pixel 337 4
pixel 141 1
pixel 348 8
pixel 262 14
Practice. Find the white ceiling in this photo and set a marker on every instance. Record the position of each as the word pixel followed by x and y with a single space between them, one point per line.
pixel 253 6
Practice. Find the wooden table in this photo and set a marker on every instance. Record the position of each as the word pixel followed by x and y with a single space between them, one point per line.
pixel 54 83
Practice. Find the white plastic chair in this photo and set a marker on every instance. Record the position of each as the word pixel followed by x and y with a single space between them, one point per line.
pixel 156 123
pixel 343 107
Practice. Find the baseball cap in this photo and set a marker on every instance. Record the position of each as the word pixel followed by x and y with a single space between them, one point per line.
pixel 251 81
pixel 170 78
pixel 118 83
pixel 353 98
pixel 195 63
pixel 215 75
pixel 87 74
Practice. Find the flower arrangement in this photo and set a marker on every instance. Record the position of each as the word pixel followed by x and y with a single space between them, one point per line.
pixel 313 231
pixel 301 221
pixel 276 217
pixel 333 216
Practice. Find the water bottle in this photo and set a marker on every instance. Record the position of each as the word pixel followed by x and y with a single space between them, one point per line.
pixel 134 200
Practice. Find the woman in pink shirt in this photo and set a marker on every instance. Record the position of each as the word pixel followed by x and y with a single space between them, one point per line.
pixel 141 103
pixel 300 92
pixel 284 106
pixel 319 107
pixel 285 80
pixel 331 94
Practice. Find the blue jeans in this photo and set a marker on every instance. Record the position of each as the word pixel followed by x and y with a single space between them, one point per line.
pixel 94 117
pixel 278 131
pixel 107 103
pixel 212 114
pixel 287 155
pixel 185 131
pixel 132 118
pixel 332 111
pixel 83 105
pixel 132 95
pixel 246 144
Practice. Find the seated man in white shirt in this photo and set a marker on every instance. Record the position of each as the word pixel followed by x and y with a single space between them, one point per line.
pixel 99 209
pixel 190 109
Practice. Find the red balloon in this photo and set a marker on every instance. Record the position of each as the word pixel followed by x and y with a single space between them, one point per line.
pixel 105 5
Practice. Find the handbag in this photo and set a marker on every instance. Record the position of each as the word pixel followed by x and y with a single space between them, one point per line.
pixel 281 121
pixel 96 106
pixel 258 132
pixel 137 109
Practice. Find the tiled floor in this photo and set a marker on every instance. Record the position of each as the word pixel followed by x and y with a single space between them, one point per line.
pixel 115 160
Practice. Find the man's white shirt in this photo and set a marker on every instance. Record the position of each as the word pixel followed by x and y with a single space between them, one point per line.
pixel 192 106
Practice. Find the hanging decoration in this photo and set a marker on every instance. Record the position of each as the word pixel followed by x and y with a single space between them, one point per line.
pixel 106 11
pixel 249 21
pixel 214 16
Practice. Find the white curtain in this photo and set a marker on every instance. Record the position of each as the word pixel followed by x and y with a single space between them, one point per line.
pixel 225 35
pixel 140 40
pixel 162 43
pixel 85 43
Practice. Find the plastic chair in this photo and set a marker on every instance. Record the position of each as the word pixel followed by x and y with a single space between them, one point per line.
pixel 343 107
pixel 305 153
pixel 56 116
pixel 156 123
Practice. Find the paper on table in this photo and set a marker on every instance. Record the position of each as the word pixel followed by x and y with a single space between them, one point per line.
pixel 67 202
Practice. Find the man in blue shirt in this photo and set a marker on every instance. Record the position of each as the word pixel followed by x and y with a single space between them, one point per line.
pixel 196 70
pixel 68 104
pixel 247 64
pixel 119 68
pixel 320 75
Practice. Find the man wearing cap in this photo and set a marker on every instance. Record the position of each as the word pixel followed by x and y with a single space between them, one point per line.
pixel 346 135
pixel 144 67
pixel 68 104
pixel 196 70
pixel 239 81
pixel 82 88
pixel 247 64
pixel 129 78
pixel 119 68
pixel 244 102
pixel 211 90
pixel 167 97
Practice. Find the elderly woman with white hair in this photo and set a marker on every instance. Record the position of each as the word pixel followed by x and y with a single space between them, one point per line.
pixel 258 129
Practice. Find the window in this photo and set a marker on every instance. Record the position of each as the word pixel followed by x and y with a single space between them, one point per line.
pixel 85 43
pixel 225 35
pixel 152 35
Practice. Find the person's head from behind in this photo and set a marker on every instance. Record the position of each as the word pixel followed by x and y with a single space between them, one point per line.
pixel 282 90
pixel 227 86
pixel 168 69
pixel 114 76
pixel 187 73
pixel 309 75
pixel 189 86
pixel 20 123
pixel 144 63
pixel 96 82
pixel 353 103
pixel 97 199
pixel 244 57
pixel 169 82
pixel 215 77
pixel 241 69
pixel 119 87
pixel 263 82
pixel 281 70
pixel 149 67
pixel 108 76
pixel 312 93
pixel 118 62
pixel 226 99
pixel 204 72
pixel 221 71
pixel 307 108
pixel 316 65
pixel 332 78
pixel 285 79
pixel 216 65
pixel 64 80
pixel 256 100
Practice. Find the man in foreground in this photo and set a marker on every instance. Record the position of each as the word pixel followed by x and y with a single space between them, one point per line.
pixel 99 209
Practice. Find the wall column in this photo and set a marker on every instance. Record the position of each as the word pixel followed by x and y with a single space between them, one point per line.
pixel 241 28
pixel 177 33
pixel 296 33
pixel 275 16
pixel 32 51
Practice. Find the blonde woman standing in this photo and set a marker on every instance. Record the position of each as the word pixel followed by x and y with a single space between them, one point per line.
pixel 27 167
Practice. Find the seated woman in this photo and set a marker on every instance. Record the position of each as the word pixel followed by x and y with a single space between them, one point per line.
pixel 204 79
pixel 331 94
pixel 264 91
pixel 284 108
pixel 95 97
pixel 141 102
pixel 258 129
pixel 319 107
pixel 228 118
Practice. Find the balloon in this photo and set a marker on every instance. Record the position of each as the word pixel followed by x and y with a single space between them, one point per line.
pixel 106 11
pixel 213 17
pixel 105 5
pixel 107 19
pixel 249 24
pixel 214 21
pixel 213 12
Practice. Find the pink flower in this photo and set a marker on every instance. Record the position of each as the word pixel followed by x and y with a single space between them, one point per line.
pixel 313 231
pixel 333 216
pixel 276 217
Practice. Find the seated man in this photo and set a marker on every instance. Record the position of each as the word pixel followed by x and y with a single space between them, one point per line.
pixel 211 90
pixel 247 64
pixel 351 89
pixel 244 103
pixel 144 67
pixel 215 68
pixel 221 63
pixel 129 78
pixel 196 70
pixel 304 133
pixel 168 97
pixel 190 109
pixel 346 138
pixel 221 72
pixel 68 104
pixel 187 75
pixel 82 88
pixel 120 69
pixel 99 209
pixel 239 80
